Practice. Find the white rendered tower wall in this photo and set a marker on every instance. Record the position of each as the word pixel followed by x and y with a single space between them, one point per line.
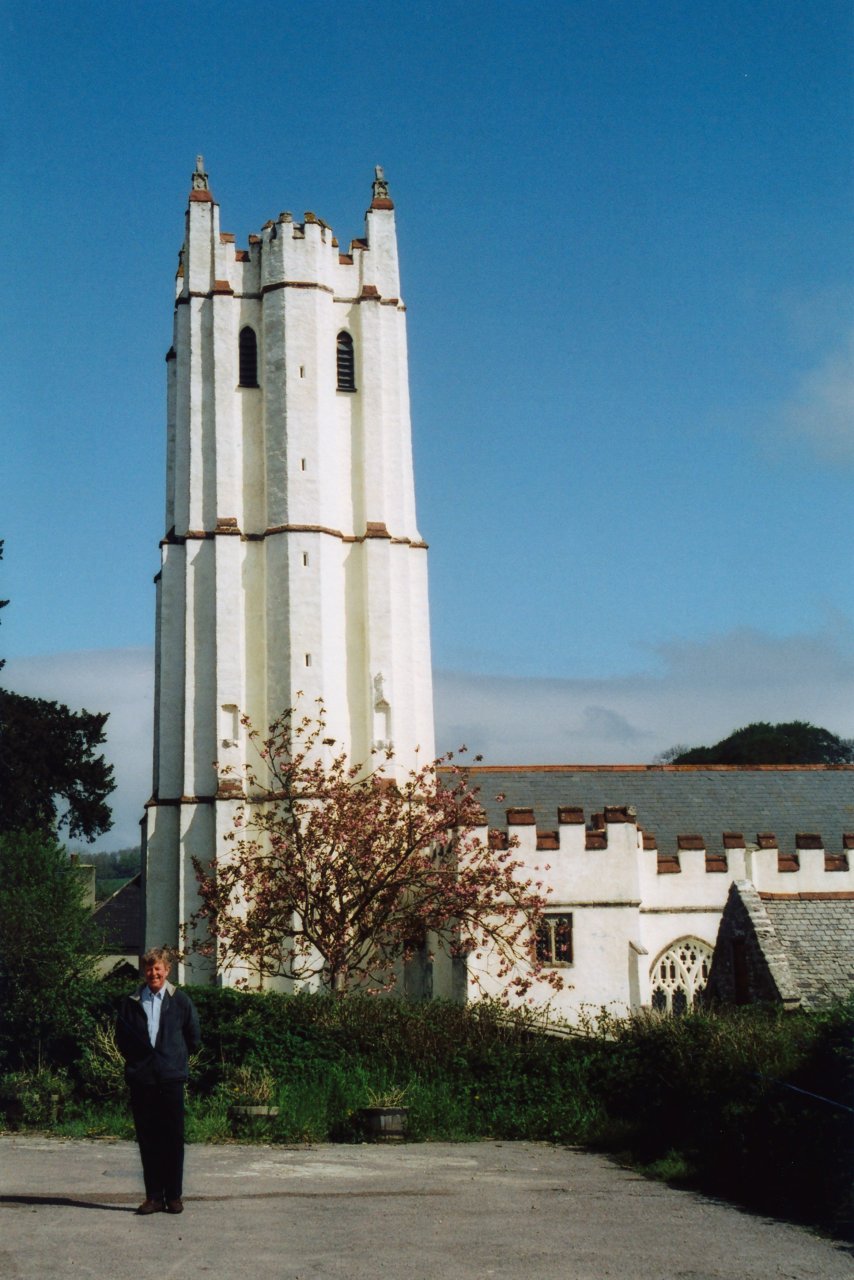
pixel 292 560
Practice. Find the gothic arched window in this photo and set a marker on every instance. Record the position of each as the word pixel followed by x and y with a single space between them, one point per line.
pixel 679 975
pixel 248 358
pixel 346 362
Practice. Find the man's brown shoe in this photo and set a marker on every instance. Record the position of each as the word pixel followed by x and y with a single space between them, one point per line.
pixel 150 1206
pixel 174 1206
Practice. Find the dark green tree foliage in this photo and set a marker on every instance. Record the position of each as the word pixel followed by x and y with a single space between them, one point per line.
pixel 48 942
pixel 50 772
pixel 762 743
pixel 117 863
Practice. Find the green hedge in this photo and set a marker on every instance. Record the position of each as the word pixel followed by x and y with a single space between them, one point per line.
pixel 469 1071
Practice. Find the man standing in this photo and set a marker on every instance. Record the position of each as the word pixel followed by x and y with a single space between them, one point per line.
pixel 156 1030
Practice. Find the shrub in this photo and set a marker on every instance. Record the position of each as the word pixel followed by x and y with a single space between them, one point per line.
pixel 47 946
pixel 102 1067
pixel 755 1101
pixel 33 1099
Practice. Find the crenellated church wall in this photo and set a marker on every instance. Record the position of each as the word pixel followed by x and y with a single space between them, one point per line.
pixel 644 923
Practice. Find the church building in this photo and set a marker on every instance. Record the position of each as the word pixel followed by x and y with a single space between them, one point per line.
pixel 292 563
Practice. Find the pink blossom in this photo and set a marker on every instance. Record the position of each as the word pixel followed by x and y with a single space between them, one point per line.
pixel 336 869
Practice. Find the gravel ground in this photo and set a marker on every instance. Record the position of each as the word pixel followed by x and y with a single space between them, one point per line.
pixel 516 1210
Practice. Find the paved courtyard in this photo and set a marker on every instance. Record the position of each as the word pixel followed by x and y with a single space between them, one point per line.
pixel 515 1210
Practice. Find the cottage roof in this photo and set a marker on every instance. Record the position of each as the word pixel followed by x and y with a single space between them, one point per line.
pixel 120 918
pixel 673 800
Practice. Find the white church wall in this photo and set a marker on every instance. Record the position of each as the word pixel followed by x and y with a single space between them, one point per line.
pixel 279 637
pixel 161 870
pixel 684 878
pixel 229 650
pixel 178 517
pixel 256 697
pixel 170 676
pixel 272 376
pixel 381 237
pixel 629 904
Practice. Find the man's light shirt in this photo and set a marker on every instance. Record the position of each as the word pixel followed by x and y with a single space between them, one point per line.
pixel 152 1003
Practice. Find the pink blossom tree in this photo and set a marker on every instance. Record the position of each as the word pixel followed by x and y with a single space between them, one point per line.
pixel 343 870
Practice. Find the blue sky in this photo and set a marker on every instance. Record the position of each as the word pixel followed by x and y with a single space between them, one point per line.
pixel 625 234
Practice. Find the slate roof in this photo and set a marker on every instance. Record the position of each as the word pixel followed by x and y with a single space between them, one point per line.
pixel 120 917
pixel 817 937
pixel 673 800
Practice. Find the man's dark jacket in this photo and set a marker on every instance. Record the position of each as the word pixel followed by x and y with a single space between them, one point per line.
pixel 177 1037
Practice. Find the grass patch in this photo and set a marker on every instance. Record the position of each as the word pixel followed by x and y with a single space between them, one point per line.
pixel 88 1120
pixel 672 1168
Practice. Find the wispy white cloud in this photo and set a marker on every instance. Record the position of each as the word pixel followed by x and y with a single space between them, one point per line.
pixel 700 692
pixel 821 412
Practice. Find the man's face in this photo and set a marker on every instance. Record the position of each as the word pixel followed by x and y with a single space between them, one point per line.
pixel 156 974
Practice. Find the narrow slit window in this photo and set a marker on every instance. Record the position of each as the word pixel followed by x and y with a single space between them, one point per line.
pixel 305 557
pixel 248 358
pixel 346 363
pixel 308 659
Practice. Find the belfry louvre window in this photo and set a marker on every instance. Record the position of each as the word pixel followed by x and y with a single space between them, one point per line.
pixel 248 358
pixel 554 939
pixel 346 363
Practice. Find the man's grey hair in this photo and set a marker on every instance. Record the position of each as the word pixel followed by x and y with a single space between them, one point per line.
pixel 159 955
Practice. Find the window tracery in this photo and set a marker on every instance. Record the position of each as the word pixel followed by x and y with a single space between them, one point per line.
pixel 679 975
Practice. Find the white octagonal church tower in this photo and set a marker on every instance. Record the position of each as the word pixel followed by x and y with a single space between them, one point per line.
pixel 291 560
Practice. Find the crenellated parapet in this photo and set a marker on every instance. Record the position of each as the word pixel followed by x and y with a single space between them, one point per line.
pixel 609 853
pixel 289 253
pixel 643 921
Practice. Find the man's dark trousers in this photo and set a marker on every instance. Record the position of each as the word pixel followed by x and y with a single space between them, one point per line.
pixel 158 1116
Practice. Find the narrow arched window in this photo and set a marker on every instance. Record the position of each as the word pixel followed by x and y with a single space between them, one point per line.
pixel 248 358
pixel 346 363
